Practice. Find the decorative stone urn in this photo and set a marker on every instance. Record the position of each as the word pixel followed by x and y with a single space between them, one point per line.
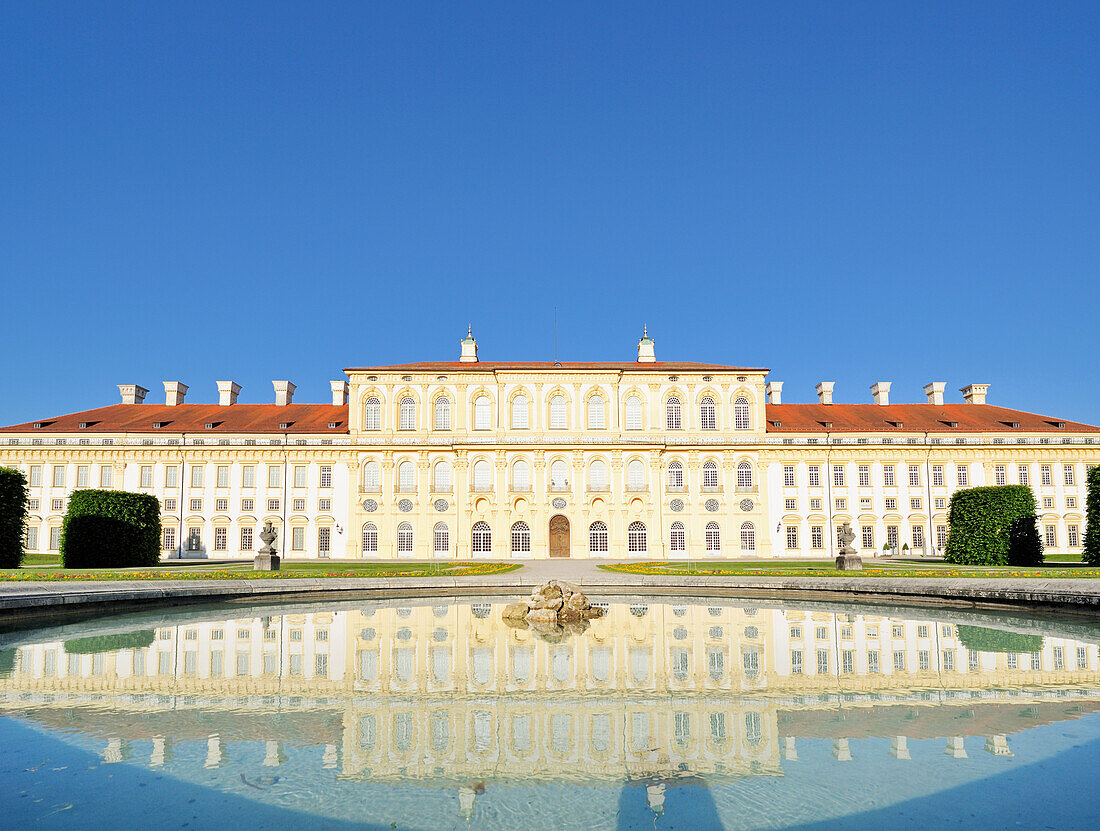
pixel 848 559
pixel 267 559
pixel 553 611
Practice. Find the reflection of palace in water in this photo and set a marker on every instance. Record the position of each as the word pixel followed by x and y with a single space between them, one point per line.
pixel 446 694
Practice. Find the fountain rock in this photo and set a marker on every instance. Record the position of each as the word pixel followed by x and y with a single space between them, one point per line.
pixel 553 610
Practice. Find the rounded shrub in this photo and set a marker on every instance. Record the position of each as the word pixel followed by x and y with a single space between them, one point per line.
pixel 980 639
pixel 993 526
pixel 13 516
pixel 110 529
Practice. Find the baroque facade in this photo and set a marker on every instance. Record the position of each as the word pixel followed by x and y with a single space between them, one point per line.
pixel 472 459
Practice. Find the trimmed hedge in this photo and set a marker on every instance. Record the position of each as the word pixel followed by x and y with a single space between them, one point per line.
pixel 993 526
pixel 13 516
pixel 1091 554
pixel 110 529
pixel 110 643
pixel 980 639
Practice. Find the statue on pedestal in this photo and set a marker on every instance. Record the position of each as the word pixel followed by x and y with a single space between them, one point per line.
pixel 267 559
pixel 848 559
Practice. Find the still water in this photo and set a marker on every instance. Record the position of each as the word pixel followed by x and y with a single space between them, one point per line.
pixel 666 713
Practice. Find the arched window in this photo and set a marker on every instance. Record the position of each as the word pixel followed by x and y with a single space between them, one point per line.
pixel 442 413
pixel 675 476
pixel 559 475
pixel 741 413
pixel 521 539
pixel 597 538
pixel 748 537
pixel 677 537
pixel 597 475
pixel 710 475
pixel 406 477
pixel 635 475
pixel 714 537
pixel 482 413
pixel 635 538
pixel 707 419
pixel 632 413
pixel 520 416
pixel 481 538
pixel 672 414
pixel 596 420
pixel 372 477
pixel 372 414
pixel 370 538
pixel 441 539
pixel 441 482
pixel 744 476
pixel 521 476
pixel 404 538
pixel 408 414
pixel 483 476
pixel 557 413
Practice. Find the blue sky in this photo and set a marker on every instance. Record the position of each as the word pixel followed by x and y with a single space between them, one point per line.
pixel 837 191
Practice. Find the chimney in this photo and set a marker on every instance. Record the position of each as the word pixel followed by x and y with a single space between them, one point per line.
pixel 774 391
pixel 646 355
pixel 469 348
pixel 880 390
pixel 284 392
pixel 934 391
pixel 132 393
pixel 825 392
pixel 974 393
pixel 228 392
pixel 174 393
pixel 339 393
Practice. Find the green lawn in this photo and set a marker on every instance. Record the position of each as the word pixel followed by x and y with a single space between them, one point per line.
pixel 825 568
pixel 244 571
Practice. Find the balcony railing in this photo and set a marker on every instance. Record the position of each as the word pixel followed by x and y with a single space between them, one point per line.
pixel 559 487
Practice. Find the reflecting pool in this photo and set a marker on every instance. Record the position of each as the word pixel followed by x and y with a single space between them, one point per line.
pixel 431 713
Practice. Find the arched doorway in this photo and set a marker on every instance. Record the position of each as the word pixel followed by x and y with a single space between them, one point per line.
pixel 559 536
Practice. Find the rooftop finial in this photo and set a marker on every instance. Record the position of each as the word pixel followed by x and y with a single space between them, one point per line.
pixel 470 330
pixel 645 330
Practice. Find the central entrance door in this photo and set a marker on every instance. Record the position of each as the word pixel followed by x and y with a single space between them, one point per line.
pixel 559 536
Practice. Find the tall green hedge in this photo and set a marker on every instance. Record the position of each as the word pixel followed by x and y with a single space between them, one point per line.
pixel 993 526
pixel 140 639
pixel 13 516
pixel 1091 554
pixel 980 639
pixel 110 529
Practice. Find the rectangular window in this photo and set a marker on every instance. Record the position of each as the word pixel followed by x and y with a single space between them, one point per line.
pixel 171 477
pixel 274 476
pixel 868 537
pixel 55 538
pixel 941 536
pixel 892 536
pixel 937 476
pixel 899 660
pixel 888 476
pixel 815 476
pixel 299 505
pixel 221 539
pixel 841 504
pixel 248 505
pixel 106 476
pixel 940 503
pixel 221 505
pixel 246 539
pixel 790 504
pixel 962 475
pixel 59 476
pixel 792 537
pixel 82 477
pixel 273 505
pixel 32 538
pixel 999 475
pixel 788 476
pixel 1074 537
pixel 1048 501
pixel 918 536
pixel 838 476
pixel 1082 657
pixel 1067 473
pixel 865 476
pixel 1045 478
pixel 1051 537
pixel 169 539
pixel 57 504
pixel 1021 473
pixel 796 662
pixel 847 661
pixel 1036 661
pixel 924 660
pixel 914 476
pixel 297 539
pixel 324 505
pixel 1059 657
pixel 823 662
pixel 914 503
pixel 146 476
pixel 1071 501
pixel 223 476
pixel 817 537
pixel 301 473
pixel 891 503
pixel 326 476
pixel 865 503
pixel 36 476
pixel 815 504
pixel 324 543
pixel 196 505
pixel 248 476
pixel 196 476
pixel 949 660
pixel 872 660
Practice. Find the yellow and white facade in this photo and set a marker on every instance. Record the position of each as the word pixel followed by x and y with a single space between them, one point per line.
pixel 473 459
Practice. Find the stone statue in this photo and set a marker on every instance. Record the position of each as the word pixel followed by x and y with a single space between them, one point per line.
pixel 848 559
pixel 267 559
pixel 553 611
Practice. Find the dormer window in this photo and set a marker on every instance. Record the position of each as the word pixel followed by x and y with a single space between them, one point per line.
pixel 1015 424
pixel 332 424
pixel 777 424
pixel 897 424
pixel 210 425
pixel 38 425
pixel 828 425
pixel 950 423
pixel 83 425
pixel 283 425
pixel 158 424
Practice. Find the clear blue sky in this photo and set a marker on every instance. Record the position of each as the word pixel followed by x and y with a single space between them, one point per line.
pixel 837 191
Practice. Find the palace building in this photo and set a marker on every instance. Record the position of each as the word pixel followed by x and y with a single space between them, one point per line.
pixel 474 459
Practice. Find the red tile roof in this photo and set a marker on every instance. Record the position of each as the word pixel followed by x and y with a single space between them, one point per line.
pixel 551 366
pixel 193 418
pixel 913 418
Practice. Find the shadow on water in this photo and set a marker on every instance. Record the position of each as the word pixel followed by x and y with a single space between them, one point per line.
pixel 658 806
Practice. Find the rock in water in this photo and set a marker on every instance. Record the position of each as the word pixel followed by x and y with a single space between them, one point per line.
pixel 515 611
pixel 542 617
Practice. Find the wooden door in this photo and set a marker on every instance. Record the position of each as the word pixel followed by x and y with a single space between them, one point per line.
pixel 559 537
